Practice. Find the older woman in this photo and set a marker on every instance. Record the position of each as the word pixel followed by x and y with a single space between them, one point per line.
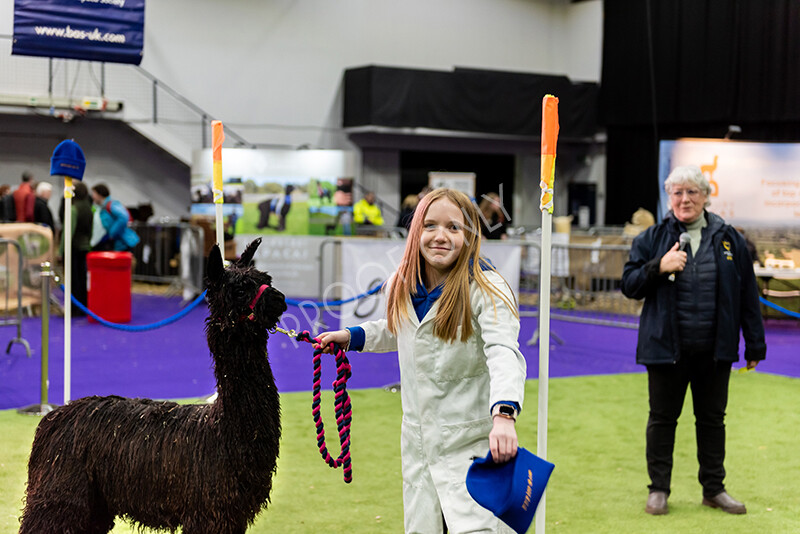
pixel 698 292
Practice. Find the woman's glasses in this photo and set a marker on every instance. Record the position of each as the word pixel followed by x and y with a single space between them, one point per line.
pixel 678 193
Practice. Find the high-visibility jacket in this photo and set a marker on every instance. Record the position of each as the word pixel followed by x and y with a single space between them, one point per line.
pixel 364 212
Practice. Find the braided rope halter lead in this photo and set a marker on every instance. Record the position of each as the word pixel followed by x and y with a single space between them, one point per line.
pixel 342 406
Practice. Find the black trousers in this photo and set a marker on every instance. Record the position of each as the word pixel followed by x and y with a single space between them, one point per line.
pixel 79 280
pixel 667 386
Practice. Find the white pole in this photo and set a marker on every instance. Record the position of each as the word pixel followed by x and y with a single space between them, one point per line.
pixel 220 234
pixel 67 287
pixel 544 353
pixel 217 138
pixel 547 184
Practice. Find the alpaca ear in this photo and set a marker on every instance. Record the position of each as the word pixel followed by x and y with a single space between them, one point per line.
pixel 249 252
pixel 214 269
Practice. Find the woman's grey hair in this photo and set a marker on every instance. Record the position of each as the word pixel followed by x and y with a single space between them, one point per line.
pixel 44 187
pixel 688 175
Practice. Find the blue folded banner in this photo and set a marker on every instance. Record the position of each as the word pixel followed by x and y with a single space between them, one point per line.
pixel 93 30
pixel 511 490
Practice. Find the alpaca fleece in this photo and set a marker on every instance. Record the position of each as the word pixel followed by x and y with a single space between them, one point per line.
pixel 206 468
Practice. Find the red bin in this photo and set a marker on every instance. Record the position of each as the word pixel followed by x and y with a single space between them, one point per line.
pixel 109 285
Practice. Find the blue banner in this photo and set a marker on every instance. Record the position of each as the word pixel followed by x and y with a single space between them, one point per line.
pixel 94 30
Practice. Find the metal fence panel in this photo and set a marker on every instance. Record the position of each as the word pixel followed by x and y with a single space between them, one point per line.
pixel 169 253
pixel 11 290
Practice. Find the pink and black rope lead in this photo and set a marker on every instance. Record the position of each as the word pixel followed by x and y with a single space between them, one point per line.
pixel 343 409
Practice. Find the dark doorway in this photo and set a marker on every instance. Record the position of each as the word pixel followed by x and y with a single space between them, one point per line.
pixel 581 194
pixel 491 171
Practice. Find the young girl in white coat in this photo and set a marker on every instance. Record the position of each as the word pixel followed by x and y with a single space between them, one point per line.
pixel 453 321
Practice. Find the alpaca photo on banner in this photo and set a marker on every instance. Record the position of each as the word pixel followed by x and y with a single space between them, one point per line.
pixel 206 468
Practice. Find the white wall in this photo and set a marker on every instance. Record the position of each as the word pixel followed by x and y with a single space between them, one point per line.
pixel 272 70
pixel 583 53
pixel 134 172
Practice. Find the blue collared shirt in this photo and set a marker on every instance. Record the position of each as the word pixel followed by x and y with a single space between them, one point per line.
pixel 423 301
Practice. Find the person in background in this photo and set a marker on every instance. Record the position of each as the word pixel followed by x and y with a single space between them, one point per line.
pixel 343 196
pixel 407 211
pixel 453 321
pixel 7 211
pixel 751 247
pixel 282 205
pixel 114 218
pixel 493 219
pixel 279 205
pixel 41 211
pixel 424 191
pixel 696 301
pixel 366 212
pixel 81 228
pixel 25 198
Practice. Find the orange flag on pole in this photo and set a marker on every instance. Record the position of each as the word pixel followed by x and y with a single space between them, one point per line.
pixel 549 141
pixel 217 137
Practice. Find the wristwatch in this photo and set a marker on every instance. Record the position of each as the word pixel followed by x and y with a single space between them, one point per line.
pixel 505 410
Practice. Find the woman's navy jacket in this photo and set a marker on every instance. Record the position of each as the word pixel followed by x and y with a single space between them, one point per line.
pixel 737 305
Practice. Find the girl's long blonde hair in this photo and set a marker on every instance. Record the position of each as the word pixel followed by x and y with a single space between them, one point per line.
pixel 454 304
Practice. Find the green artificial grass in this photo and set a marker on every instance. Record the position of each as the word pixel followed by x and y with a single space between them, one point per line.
pixel 296 221
pixel 595 439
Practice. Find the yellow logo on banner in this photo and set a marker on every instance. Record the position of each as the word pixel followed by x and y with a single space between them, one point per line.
pixel 708 170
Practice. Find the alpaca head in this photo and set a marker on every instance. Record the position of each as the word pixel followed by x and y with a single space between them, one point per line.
pixel 241 293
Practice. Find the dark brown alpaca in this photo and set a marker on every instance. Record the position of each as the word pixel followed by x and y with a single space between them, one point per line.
pixel 206 468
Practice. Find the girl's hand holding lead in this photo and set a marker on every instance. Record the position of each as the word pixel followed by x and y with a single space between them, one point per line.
pixel 340 337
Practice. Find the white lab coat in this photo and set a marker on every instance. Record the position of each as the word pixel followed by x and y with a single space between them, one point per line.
pixel 447 390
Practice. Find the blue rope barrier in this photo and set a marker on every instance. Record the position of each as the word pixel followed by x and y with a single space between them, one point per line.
pixel 144 327
pixel 304 304
pixel 198 300
pixel 291 302
pixel 774 306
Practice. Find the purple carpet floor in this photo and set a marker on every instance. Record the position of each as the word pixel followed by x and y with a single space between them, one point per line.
pixel 173 361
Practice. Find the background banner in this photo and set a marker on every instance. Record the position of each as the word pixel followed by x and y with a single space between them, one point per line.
pixel 93 30
pixel 752 184
pixel 281 192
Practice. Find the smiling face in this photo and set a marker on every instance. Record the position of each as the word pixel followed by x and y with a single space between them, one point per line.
pixel 688 191
pixel 442 236
pixel 687 202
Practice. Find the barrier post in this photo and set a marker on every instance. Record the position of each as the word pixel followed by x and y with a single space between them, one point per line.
pixel 549 140
pixel 43 407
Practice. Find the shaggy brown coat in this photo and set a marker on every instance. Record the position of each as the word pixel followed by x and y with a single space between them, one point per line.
pixel 207 468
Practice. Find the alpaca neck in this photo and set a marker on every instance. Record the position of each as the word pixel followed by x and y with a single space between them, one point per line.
pixel 245 383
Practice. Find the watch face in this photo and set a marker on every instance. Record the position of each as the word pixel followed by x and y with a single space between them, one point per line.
pixel 508 410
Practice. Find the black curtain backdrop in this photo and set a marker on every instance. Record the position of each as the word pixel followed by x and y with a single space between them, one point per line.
pixel 492 171
pixel 467 100
pixel 690 68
